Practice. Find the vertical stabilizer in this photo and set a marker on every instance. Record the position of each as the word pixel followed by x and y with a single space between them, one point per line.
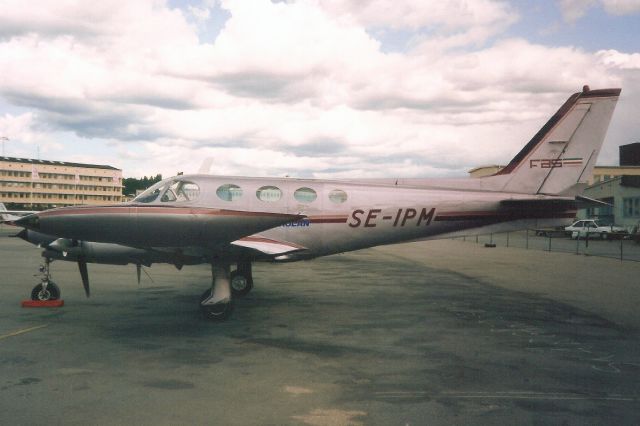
pixel 561 156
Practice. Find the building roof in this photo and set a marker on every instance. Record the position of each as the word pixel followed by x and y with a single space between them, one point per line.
pixel 57 163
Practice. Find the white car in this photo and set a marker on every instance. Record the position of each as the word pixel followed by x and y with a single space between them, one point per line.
pixel 581 228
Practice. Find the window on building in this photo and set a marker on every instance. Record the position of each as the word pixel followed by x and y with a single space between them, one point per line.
pixel 631 207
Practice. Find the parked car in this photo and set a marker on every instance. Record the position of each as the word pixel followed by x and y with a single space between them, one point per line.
pixel 634 233
pixel 581 228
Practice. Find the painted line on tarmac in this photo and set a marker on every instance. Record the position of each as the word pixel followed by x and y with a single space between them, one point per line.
pixel 23 331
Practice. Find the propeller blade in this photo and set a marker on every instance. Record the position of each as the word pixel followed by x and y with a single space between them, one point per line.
pixel 138 268
pixel 24 234
pixel 84 274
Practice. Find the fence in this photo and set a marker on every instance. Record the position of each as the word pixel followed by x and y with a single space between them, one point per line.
pixel 623 249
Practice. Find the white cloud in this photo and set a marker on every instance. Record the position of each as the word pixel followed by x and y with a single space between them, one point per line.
pixel 572 10
pixel 621 7
pixel 624 61
pixel 415 14
pixel 440 24
pixel 24 132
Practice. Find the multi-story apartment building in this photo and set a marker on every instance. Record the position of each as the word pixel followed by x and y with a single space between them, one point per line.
pixel 39 184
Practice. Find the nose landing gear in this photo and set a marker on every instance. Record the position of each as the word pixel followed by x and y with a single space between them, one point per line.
pixel 241 280
pixel 47 289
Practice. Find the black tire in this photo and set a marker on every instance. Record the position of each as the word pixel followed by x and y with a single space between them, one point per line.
pixel 604 236
pixel 241 284
pixel 217 312
pixel 52 292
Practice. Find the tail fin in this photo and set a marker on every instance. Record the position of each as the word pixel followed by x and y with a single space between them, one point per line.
pixel 561 156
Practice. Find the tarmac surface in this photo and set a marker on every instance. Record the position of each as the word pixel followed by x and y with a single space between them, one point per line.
pixel 436 333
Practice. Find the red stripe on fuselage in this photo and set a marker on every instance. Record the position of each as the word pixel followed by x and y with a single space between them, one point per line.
pixel 160 210
pixel 328 219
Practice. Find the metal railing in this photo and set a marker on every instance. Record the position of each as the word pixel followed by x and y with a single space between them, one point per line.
pixel 591 245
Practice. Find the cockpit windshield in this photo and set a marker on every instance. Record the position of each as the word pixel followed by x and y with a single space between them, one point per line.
pixel 151 193
pixel 168 192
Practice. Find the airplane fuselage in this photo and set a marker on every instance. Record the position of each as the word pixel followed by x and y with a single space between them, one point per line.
pixel 329 217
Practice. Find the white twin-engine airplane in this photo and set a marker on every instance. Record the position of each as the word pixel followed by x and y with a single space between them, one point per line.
pixel 234 221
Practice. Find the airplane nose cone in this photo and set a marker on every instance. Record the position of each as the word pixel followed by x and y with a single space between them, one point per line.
pixel 30 222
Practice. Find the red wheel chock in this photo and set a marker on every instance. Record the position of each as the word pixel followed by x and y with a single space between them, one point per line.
pixel 43 303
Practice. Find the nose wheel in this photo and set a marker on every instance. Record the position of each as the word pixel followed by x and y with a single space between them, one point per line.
pixel 47 289
pixel 43 292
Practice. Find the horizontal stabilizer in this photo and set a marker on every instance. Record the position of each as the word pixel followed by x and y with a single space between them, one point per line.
pixel 540 208
pixel 591 201
pixel 541 203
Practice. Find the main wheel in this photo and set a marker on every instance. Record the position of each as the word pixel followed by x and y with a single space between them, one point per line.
pixel 241 284
pixel 52 292
pixel 218 312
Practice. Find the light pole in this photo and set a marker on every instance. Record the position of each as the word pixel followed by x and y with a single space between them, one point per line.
pixel 3 139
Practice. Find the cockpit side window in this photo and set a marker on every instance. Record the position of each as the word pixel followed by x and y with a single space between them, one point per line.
pixel 168 195
pixel 181 191
pixel 169 192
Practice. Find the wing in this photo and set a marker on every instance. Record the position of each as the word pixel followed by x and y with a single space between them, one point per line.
pixel 154 226
pixel 268 246
pixel 11 215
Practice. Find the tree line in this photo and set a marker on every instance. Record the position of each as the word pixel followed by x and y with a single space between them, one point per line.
pixel 131 185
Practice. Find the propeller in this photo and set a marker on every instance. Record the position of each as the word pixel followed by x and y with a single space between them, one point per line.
pixel 84 274
pixel 24 234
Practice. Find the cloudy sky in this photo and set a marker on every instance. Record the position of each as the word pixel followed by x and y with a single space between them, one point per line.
pixel 308 88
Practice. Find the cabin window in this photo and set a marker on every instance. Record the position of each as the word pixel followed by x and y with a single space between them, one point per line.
pixel 269 194
pixel 338 196
pixel 305 195
pixel 229 192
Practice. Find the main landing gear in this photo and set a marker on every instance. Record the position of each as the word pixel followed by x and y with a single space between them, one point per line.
pixel 241 280
pixel 47 289
pixel 217 303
